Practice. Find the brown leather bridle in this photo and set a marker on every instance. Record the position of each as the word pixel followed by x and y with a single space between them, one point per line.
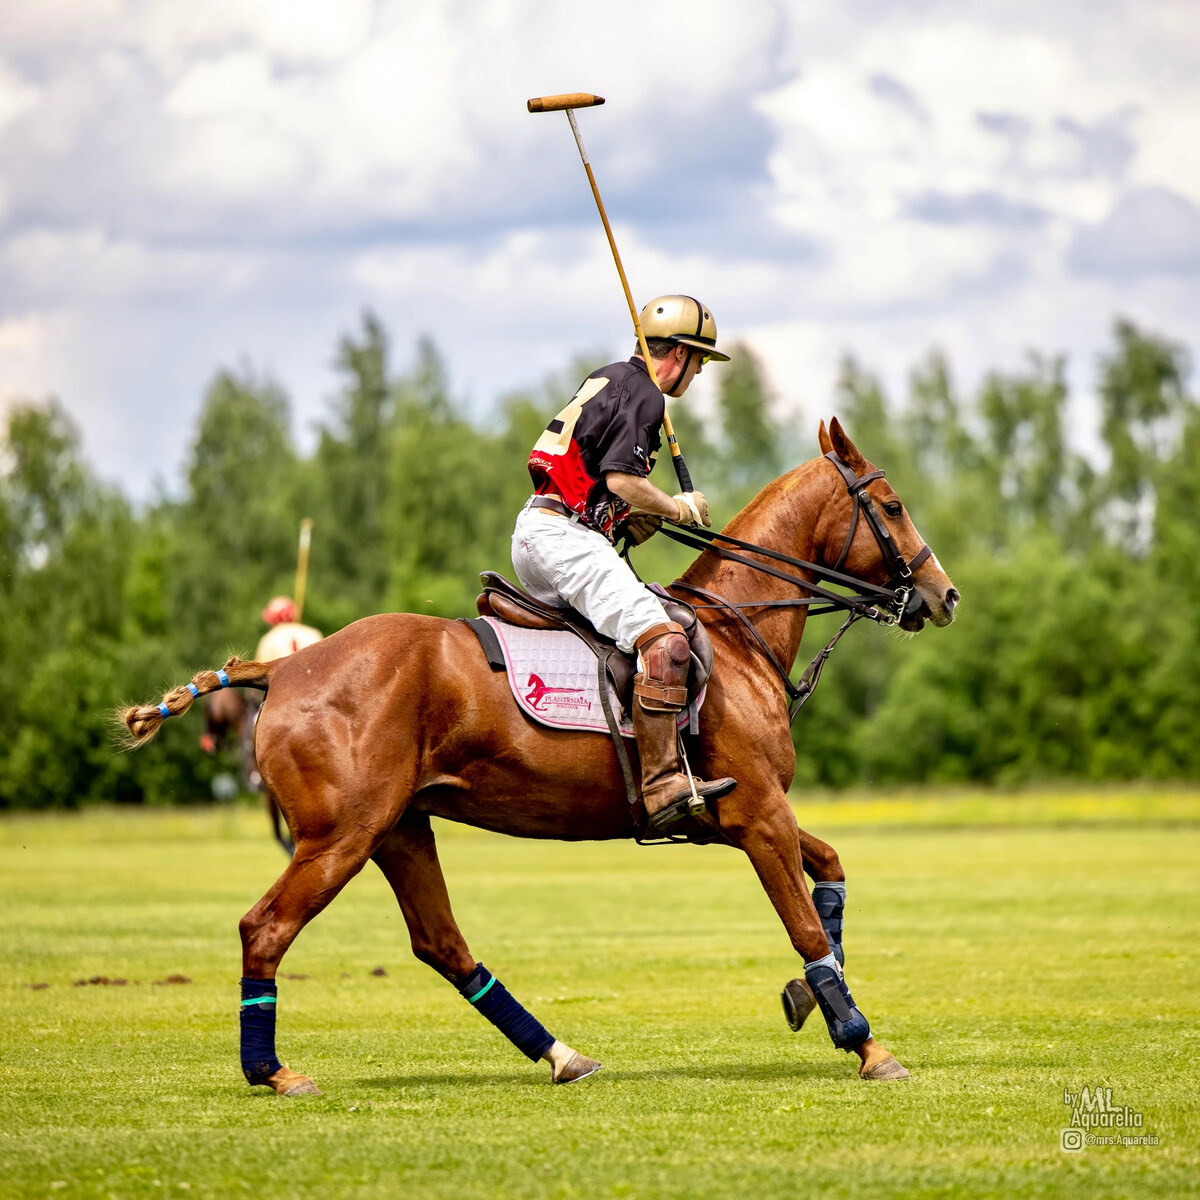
pixel 900 573
pixel 886 604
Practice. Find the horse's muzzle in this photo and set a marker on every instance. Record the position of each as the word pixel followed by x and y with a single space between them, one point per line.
pixel 915 615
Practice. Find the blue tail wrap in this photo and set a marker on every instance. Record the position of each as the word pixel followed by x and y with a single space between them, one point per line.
pixel 490 997
pixel 258 1030
pixel 847 1026
pixel 830 901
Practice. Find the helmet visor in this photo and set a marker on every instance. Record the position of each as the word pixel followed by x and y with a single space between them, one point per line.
pixel 711 353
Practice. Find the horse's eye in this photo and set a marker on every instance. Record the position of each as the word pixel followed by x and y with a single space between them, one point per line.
pixel 893 508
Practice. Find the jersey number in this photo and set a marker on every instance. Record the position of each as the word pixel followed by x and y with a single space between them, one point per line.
pixel 559 432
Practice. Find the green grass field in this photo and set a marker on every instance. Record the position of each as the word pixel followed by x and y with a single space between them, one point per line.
pixel 1001 962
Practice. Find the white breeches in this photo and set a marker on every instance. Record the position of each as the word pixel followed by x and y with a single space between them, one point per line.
pixel 563 562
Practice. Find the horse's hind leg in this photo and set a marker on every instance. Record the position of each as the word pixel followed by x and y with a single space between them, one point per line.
pixel 320 868
pixel 408 858
pixel 278 828
pixel 824 868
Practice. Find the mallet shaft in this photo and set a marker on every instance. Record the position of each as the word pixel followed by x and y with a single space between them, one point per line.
pixel 302 565
pixel 677 461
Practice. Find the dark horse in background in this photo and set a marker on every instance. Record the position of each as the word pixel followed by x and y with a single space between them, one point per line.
pixel 229 714
pixel 398 718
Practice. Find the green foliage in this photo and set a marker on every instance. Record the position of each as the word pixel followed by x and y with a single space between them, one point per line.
pixel 72 645
pixel 351 476
pixel 1067 658
pixel 1076 652
pixel 750 444
pixel 235 532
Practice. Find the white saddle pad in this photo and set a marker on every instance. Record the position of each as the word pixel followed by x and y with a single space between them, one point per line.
pixel 554 680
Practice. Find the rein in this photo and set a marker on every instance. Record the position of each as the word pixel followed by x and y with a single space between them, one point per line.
pixel 885 604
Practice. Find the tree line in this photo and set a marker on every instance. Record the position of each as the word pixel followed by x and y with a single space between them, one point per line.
pixel 1076 654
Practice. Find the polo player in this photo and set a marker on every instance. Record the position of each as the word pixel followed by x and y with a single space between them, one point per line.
pixel 286 634
pixel 589 472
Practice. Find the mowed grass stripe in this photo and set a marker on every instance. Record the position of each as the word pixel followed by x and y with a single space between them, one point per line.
pixel 1001 966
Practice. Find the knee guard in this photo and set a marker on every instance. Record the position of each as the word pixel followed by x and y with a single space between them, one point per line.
pixel 847 1026
pixel 664 657
pixel 830 901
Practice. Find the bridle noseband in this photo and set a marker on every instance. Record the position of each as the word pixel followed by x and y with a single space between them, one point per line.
pixel 887 604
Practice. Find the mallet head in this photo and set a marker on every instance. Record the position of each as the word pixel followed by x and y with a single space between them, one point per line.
pixel 558 103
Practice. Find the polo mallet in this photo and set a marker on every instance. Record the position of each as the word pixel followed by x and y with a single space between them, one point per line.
pixel 302 565
pixel 568 103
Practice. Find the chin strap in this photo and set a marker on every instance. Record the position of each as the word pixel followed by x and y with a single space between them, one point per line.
pixel 687 362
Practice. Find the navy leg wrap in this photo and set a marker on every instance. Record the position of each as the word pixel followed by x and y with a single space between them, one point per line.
pixel 830 901
pixel 847 1026
pixel 492 998
pixel 258 1030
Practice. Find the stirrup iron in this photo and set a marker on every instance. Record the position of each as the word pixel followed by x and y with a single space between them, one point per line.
pixel 695 804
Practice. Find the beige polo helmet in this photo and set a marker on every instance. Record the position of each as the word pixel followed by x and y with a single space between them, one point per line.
pixel 682 319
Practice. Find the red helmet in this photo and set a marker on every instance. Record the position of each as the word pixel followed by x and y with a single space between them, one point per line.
pixel 280 610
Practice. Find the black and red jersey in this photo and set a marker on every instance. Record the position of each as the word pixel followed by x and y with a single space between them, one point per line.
pixel 611 424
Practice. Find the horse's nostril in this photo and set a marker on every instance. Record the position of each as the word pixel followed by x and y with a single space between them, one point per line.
pixel 951 598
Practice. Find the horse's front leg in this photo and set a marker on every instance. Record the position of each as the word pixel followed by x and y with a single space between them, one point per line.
pixel 824 868
pixel 766 830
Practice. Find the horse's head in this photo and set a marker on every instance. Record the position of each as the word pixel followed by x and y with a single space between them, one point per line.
pixel 848 542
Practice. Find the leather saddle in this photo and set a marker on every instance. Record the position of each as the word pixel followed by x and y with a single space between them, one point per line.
pixel 506 602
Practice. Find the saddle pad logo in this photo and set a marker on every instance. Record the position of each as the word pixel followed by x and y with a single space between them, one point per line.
pixel 571 700
pixel 559 697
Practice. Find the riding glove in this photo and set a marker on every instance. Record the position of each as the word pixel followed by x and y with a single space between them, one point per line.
pixel 640 526
pixel 693 509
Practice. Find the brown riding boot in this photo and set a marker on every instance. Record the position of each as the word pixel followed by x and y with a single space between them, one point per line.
pixel 659 694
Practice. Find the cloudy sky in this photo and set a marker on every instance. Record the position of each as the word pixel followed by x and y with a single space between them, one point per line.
pixel 185 186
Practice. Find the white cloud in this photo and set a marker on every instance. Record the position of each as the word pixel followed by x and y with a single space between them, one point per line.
pixel 218 179
pixel 16 96
pixel 293 32
pixel 239 83
pixel 1169 135
pixel 52 267
pixel 25 344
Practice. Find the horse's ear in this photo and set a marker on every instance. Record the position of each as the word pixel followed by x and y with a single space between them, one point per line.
pixel 845 449
pixel 823 439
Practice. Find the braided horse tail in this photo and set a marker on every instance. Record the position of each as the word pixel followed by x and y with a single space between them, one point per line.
pixel 144 721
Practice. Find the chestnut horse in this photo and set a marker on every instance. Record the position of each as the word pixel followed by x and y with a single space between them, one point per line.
pixel 398 717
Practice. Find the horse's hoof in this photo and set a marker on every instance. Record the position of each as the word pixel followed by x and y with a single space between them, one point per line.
pixel 578 1067
pixel 287 1082
pixel 886 1068
pixel 798 1002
